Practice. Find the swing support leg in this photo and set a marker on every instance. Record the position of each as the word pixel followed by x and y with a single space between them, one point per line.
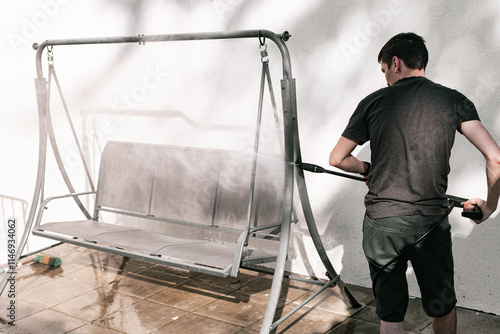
pixel 313 230
pixel 292 153
pixel 311 297
pixel 40 89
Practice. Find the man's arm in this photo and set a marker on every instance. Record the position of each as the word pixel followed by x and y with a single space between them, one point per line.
pixel 341 157
pixel 477 134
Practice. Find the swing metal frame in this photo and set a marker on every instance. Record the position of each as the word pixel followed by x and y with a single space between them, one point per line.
pixel 293 174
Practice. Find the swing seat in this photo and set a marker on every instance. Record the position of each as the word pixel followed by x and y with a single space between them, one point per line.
pixel 183 207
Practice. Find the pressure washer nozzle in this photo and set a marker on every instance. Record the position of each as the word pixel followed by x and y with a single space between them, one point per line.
pixel 311 167
pixel 47 259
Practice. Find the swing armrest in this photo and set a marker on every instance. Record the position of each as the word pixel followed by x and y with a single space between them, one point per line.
pixel 48 199
pixel 43 205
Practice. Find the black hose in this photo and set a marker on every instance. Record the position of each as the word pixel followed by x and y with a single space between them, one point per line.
pixel 454 202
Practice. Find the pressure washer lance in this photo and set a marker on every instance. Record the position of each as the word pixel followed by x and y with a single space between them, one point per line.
pixel 318 169
pixel 453 200
pixel 476 213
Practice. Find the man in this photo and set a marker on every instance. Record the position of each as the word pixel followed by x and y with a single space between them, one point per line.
pixel 411 127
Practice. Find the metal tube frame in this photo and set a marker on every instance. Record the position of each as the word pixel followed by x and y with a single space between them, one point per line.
pixel 292 155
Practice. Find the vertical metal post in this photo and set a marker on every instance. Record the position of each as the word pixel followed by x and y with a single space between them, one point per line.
pixel 40 84
pixel 289 112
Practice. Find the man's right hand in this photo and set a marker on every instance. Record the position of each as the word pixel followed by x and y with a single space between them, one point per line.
pixel 469 206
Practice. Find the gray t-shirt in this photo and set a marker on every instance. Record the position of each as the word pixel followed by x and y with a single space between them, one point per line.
pixel 411 128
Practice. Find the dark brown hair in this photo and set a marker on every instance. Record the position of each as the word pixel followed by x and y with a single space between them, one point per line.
pixel 409 47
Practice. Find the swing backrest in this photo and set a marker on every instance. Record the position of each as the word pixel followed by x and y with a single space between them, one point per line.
pixel 198 186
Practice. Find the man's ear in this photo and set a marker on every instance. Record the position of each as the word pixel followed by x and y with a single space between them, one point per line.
pixel 396 62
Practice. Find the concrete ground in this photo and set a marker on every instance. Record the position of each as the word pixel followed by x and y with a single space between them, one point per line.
pixel 96 292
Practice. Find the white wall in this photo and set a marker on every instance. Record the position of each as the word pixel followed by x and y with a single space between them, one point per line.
pixel 334 46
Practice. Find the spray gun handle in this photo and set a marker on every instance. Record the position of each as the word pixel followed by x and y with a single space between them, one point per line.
pixel 476 213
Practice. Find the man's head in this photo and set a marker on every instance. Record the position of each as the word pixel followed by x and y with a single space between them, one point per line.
pixel 408 54
pixel 408 47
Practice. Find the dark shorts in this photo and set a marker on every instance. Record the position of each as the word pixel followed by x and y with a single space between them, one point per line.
pixel 432 261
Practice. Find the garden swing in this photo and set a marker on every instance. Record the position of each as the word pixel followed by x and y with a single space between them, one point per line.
pixel 149 188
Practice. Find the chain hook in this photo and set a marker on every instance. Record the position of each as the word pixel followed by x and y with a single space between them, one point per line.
pixel 141 40
pixel 263 54
pixel 262 40
pixel 50 54
pixel 263 49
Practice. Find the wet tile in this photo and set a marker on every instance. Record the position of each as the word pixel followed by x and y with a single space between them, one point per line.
pixel 46 321
pixel 363 295
pixel 4 328
pixel 143 286
pixel 54 292
pixel 92 267
pixel 79 256
pixel 35 274
pixel 237 308
pixel 428 330
pixel 191 295
pixel 173 270
pixel 161 275
pixel 122 295
pixel 333 300
pixel 291 289
pixel 193 323
pixel 469 321
pixel 126 265
pixel 96 276
pixel 367 313
pixel 95 304
pixel 355 326
pixel 415 320
pixel 93 329
pixel 72 257
pixel 64 250
pixel 243 279
pixel 305 320
pixel 252 272
pixel 22 308
pixel 141 317
pixel 118 264
pixel 247 331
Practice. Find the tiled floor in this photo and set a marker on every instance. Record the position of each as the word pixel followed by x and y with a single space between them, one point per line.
pixel 95 292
